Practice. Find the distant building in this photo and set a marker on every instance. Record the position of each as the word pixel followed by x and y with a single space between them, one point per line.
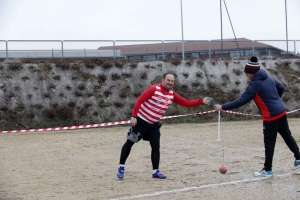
pixel 240 47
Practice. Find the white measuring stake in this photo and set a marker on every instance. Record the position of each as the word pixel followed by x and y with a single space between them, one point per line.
pixel 219 132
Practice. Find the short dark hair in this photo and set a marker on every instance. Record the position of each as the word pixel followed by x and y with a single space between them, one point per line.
pixel 165 74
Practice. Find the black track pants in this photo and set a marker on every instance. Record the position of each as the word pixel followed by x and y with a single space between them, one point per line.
pixel 270 129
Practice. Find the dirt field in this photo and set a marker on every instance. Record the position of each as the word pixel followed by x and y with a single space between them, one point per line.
pixel 82 164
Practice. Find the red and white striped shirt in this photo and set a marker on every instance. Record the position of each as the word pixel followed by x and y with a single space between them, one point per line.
pixel 155 100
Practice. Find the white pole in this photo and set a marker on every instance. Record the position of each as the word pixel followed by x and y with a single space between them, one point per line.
pixel 182 41
pixel 219 132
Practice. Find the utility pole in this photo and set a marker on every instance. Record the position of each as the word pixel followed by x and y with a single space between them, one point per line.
pixel 182 40
pixel 286 28
pixel 221 29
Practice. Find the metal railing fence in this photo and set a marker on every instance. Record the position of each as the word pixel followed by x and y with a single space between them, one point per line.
pixel 146 49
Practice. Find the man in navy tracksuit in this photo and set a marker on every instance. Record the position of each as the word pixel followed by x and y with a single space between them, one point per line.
pixel 266 92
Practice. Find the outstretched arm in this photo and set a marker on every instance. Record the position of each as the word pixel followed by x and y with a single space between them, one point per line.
pixel 191 103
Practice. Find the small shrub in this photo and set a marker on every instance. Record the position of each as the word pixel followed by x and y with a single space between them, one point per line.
pixel 47 67
pixel 89 63
pixel 74 77
pixel 237 71
pixel 33 68
pixel 29 96
pixel 103 104
pixel 97 87
pixel 199 74
pixel 107 64
pixel 78 93
pixel 54 105
pixel 14 66
pixel 81 86
pixel 226 63
pixel 82 112
pixel 237 82
pixel 124 92
pixel 195 84
pixel 72 104
pixel 144 74
pixel 98 61
pixel 47 95
pixel 102 78
pixel 200 63
pixel 211 85
pixel 213 62
pixel 126 74
pixel 186 74
pixel 64 63
pixel 4 107
pixel 295 89
pixel 65 112
pixel 118 103
pixel 87 104
pixel 133 64
pixel 286 97
pixel 12 114
pixel 115 76
pixel 20 107
pixel 17 88
pixel 68 87
pixel 51 86
pixel 107 92
pixel 236 91
pixel 190 61
pixel 120 63
pixel 11 94
pixel 86 76
pixel 137 93
pixel 184 87
pixel 50 113
pixel 176 61
pixel 61 94
pixel 75 67
pixel 225 77
pixel 57 77
pixel 28 60
pixel 89 94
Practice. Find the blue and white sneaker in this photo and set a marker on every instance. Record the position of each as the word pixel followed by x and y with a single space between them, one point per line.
pixel 121 171
pixel 264 173
pixel 159 175
pixel 296 165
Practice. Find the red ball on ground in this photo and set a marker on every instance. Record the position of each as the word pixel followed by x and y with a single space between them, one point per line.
pixel 223 170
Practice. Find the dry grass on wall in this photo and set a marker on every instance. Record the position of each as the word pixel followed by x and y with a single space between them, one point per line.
pixel 69 92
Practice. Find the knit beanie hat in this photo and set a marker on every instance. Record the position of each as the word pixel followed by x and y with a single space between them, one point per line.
pixel 252 66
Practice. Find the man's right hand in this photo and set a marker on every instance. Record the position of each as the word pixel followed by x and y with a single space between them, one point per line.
pixel 133 121
pixel 209 101
pixel 218 107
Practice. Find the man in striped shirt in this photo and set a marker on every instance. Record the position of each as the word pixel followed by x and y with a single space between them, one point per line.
pixel 149 108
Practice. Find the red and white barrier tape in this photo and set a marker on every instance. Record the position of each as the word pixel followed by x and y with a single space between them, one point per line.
pixel 239 113
pixel 119 123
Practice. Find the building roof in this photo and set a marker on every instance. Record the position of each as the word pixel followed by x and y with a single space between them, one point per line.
pixel 189 46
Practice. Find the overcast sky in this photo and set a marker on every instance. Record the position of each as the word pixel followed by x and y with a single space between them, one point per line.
pixel 147 19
